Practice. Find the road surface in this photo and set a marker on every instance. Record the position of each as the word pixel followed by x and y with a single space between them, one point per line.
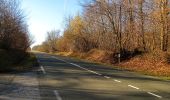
pixel 62 78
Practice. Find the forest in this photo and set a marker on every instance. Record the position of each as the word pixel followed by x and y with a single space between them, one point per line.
pixel 14 36
pixel 133 34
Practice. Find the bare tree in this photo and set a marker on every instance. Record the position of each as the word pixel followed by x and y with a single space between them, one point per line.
pixel 163 4
pixel 52 38
pixel 13 33
pixel 142 22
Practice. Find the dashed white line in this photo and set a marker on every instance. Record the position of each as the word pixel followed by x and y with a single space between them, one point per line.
pixel 43 70
pixel 75 64
pixel 79 66
pixel 59 59
pixel 85 69
pixel 117 81
pixel 107 77
pixel 95 72
pixel 133 87
pixel 58 97
pixel 154 95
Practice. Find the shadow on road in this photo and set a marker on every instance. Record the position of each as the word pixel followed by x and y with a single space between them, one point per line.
pixel 74 83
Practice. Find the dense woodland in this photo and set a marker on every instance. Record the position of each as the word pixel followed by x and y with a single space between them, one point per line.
pixel 14 35
pixel 115 25
pixel 133 34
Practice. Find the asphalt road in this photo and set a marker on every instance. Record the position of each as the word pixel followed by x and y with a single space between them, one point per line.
pixel 62 78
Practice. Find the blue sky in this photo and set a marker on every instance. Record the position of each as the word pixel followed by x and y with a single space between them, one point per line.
pixel 46 15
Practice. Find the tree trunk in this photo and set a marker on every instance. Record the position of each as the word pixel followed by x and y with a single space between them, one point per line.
pixel 164 24
pixel 141 14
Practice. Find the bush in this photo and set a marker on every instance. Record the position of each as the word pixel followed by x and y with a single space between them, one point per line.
pixel 9 59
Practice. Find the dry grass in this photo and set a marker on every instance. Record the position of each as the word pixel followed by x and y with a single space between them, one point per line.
pixel 92 55
pixel 151 63
pixel 100 56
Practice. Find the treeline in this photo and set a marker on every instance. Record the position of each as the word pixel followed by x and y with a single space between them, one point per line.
pixel 120 26
pixel 51 42
pixel 14 37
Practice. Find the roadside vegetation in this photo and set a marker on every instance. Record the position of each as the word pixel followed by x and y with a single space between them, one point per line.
pixel 132 34
pixel 14 36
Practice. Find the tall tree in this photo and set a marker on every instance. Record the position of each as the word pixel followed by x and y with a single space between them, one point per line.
pixel 164 24
pixel 52 38
pixel 142 21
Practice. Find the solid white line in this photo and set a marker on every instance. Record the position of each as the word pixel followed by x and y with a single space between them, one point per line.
pixel 117 81
pixel 133 87
pixel 154 94
pixel 57 95
pixel 107 77
pixel 43 70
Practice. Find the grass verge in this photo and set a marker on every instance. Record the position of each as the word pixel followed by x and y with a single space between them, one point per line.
pixel 143 64
pixel 7 63
pixel 29 63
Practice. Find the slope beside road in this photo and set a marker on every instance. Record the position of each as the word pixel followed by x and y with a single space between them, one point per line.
pixel 62 78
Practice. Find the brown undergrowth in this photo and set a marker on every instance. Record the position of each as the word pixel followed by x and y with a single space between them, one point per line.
pixel 156 63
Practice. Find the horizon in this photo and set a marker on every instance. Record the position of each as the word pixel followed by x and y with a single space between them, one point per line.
pixel 44 16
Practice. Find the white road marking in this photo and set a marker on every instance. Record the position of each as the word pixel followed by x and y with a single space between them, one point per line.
pixel 59 98
pixel 95 72
pixel 154 94
pixel 117 81
pixel 43 70
pixel 85 69
pixel 107 77
pixel 57 95
pixel 59 59
pixel 75 64
pixel 133 87
pixel 79 66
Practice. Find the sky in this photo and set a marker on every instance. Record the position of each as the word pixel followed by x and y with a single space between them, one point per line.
pixel 46 15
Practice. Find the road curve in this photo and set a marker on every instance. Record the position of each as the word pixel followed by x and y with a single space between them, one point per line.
pixel 62 78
